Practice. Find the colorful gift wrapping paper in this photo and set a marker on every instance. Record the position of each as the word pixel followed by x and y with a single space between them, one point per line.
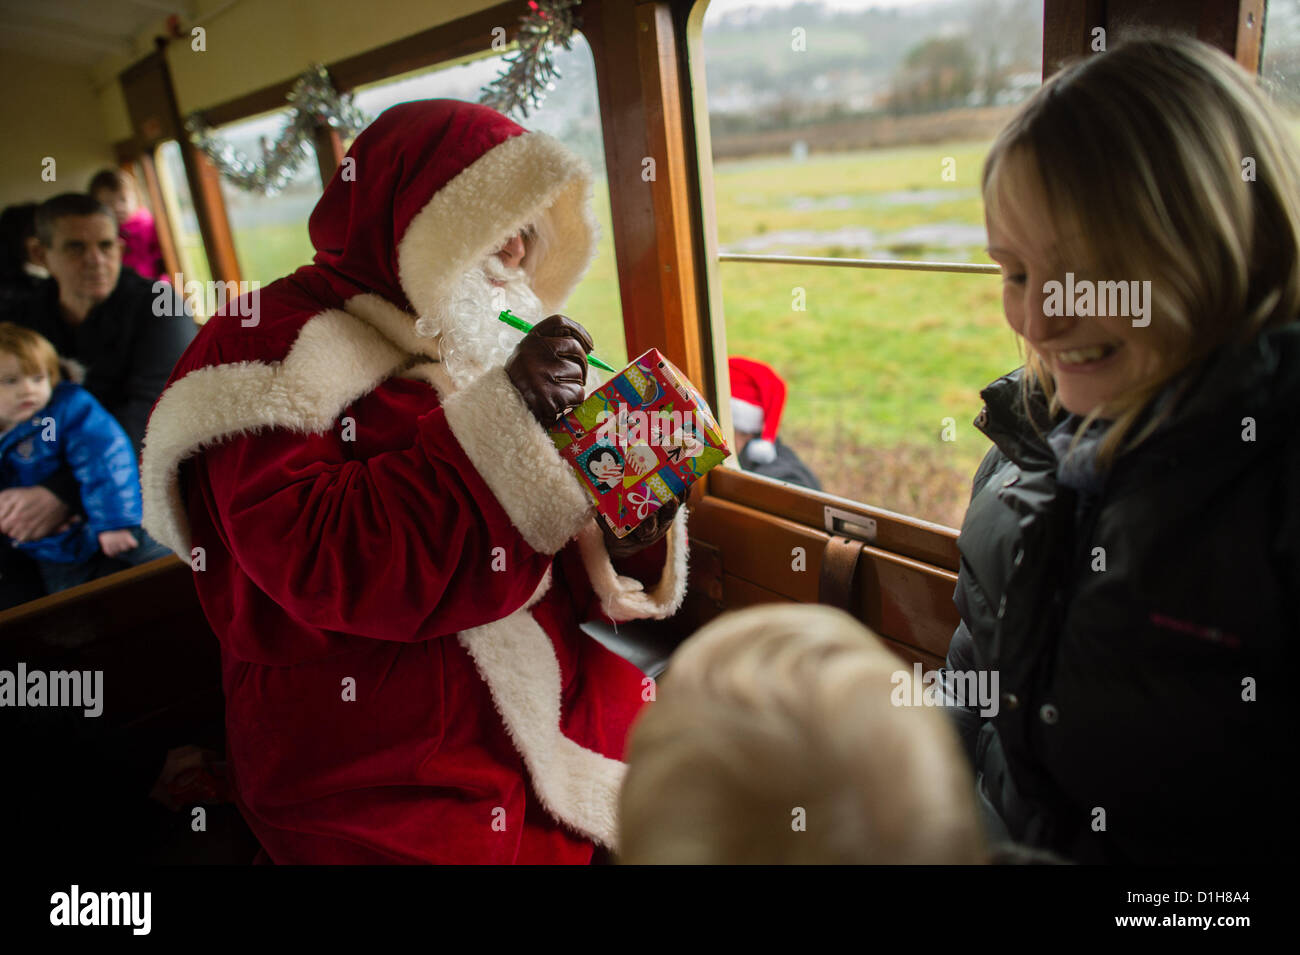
pixel 640 439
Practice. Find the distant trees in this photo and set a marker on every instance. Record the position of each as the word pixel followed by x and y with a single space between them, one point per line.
pixel 1000 42
pixel 864 59
pixel 1008 35
pixel 939 73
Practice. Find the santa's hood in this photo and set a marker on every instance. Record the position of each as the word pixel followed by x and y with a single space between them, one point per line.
pixel 427 191
pixel 432 188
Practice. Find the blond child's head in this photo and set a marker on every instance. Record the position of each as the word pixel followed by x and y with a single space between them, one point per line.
pixel 29 370
pixel 1160 161
pixel 773 739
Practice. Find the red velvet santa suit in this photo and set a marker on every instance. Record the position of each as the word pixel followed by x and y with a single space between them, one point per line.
pixel 397 568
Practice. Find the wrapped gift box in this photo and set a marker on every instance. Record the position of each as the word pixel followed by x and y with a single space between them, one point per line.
pixel 639 440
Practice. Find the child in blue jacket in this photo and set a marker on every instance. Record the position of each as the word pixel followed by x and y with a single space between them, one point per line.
pixel 46 425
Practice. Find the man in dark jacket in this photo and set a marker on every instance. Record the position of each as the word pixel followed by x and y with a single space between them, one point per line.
pixel 104 317
pixel 1138 621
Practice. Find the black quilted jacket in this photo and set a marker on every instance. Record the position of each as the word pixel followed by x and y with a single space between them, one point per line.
pixel 1142 711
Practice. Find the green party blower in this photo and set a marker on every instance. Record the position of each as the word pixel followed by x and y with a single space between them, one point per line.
pixel 514 321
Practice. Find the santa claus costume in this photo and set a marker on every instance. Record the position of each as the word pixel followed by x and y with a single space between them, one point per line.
pixel 397 564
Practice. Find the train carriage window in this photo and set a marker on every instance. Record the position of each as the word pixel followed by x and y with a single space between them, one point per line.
pixel 184 222
pixel 572 115
pixel 1279 66
pixel 846 131
pixel 269 231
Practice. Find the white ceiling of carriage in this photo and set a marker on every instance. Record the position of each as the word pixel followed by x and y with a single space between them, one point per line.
pixel 88 33
pixel 83 33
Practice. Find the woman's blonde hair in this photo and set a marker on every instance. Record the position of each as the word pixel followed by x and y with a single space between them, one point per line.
pixel 33 350
pixel 779 710
pixel 1161 159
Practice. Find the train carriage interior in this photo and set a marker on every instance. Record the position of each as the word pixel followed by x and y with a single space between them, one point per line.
pixel 794 185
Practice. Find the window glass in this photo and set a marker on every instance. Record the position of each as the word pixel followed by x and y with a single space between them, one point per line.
pixel 270 231
pixel 1279 66
pixel 570 113
pixel 184 222
pixel 858 130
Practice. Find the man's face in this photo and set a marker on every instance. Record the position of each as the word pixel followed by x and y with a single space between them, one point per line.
pixel 85 257
pixel 512 253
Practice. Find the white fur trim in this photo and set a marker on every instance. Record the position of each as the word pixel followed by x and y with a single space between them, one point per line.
pixel 393 323
pixel 519 462
pixel 761 451
pixel 334 361
pixel 431 373
pixel 746 417
pixel 399 328
pixel 623 598
pixel 577 786
pixel 509 186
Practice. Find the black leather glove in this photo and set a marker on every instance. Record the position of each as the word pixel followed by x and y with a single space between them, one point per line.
pixel 549 367
pixel 644 535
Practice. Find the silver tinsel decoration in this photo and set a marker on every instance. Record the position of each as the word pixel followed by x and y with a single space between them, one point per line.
pixel 531 70
pixel 315 103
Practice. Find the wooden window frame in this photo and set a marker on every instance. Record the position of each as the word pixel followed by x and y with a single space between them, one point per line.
pixel 155 117
pixel 1234 26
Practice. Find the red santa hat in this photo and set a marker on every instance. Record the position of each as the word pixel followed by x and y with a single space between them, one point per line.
pixel 757 400
pixel 433 187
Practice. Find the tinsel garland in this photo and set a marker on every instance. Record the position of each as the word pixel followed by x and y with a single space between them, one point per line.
pixel 314 103
pixel 531 71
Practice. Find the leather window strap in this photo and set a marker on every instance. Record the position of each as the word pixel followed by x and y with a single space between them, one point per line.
pixel 839 573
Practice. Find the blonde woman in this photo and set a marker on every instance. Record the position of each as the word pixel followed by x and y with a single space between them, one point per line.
pixel 1131 556
pixel 778 737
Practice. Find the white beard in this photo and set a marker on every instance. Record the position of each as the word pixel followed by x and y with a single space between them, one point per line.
pixel 470 338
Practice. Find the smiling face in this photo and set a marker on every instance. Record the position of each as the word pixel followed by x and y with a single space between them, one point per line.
pixel 1092 360
pixel 22 393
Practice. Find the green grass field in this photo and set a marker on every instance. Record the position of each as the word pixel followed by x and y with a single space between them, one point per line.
pixel 879 359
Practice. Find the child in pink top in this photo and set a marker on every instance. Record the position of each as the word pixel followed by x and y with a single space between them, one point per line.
pixel 116 189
